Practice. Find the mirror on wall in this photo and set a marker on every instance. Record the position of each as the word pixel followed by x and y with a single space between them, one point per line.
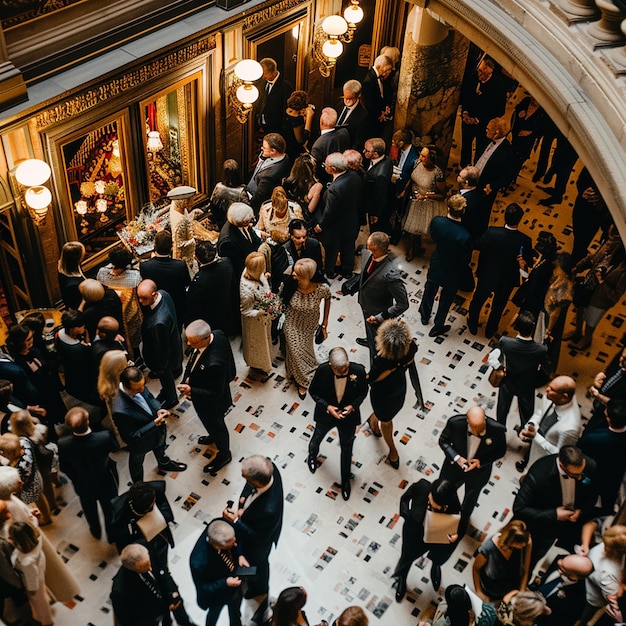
pixel 170 138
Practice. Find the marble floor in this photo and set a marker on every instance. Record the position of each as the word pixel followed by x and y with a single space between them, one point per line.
pixel 342 552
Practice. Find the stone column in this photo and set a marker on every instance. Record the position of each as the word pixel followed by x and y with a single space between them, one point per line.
pixel 433 62
pixel 12 86
pixel 606 31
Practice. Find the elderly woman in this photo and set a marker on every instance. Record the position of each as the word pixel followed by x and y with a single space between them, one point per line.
pixel 237 238
pixel 301 321
pixel 297 123
pixel 278 213
pixel 522 608
pixel 70 274
pixel 256 324
pixel 229 190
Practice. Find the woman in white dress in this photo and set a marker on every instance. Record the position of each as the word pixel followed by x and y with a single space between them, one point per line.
pixel 256 324
pixel 29 560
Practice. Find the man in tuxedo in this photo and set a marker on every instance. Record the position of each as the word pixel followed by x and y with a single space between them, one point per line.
pixel 338 389
pixel 447 264
pixel 522 357
pixel 237 238
pixel 556 424
pixel 353 115
pixel 382 293
pixel 375 96
pixel 556 498
pixel 274 91
pixel 272 166
pixel 258 521
pixel 331 139
pixel 301 246
pixel 107 338
pixel 141 424
pixel 482 99
pixel 472 443
pixel 477 210
pixel 206 382
pixel 213 562
pixel 606 445
pixel 162 346
pixel 377 188
pixel 608 385
pixel 213 294
pixel 498 269
pixel 563 587
pixel 338 225
pixel 84 458
pixel 170 275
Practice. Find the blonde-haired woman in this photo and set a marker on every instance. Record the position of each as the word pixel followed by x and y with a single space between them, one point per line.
pixel 29 560
pixel 395 352
pixel 256 324
pixel 302 315
pixel 70 274
pixel 113 363
pixel 503 562
pixel 277 213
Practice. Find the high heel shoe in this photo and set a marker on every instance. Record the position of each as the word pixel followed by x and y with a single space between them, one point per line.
pixel 373 430
pixel 302 393
pixel 395 464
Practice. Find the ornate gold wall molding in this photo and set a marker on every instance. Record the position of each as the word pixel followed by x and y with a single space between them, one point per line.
pixel 270 12
pixel 94 97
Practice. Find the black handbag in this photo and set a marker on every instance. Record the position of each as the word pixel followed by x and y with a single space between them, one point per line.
pixel 319 335
pixel 351 286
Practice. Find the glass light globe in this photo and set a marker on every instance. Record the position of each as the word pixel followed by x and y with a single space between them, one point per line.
pixel 247 94
pixel 99 185
pixel 101 205
pixel 32 173
pixel 38 198
pixel 353 14
pixel 335 25
pixel 81 207
pixel 248 70
pixel 332 49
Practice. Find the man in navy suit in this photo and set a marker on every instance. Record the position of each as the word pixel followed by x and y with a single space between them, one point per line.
pixel 338 389
pixel 478 210
pixel 213 562
pixel 498 268
pixel 401 177
pixel 84 458
pixel 472 443
pixel 338 225
pixel 447 264
pixel 206 382
pixel 258 521
pixel 141 423
pixel 377 188
pixel 353 115
pixel 556 498
pixel 272 166
pixel 331 139
pixel 162 346
pixel 168 274
pixel 274 91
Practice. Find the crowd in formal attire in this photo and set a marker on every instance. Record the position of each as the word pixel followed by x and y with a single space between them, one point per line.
pixel 283 236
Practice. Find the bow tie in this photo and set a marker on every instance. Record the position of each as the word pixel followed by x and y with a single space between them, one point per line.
pixel 346 376
pixel 471 434
pixel 381 78
pixel 565 476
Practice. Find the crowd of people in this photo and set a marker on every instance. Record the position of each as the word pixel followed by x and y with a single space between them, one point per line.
pixel 283 237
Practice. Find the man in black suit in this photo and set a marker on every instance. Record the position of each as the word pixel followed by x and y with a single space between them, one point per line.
pixel 353 115
pixel 213 562
pixel 258 521
pixel 382 293
pixel 338 389
pixel 170 275
pixel 274 91
pixel 556 498
pixel 447 264
pixel 522 357
pixel 301 246
pixel 141 423
pixel 498 269
pixel 606 445
pixel 213 293
pixel 482 99
pixel 99 301
pixel 84 458
pixel 377 189
pixel 402 139
pixel 472 443
pixel 478 210
pixel 496 162
pixel 338 226
pixel 206 382
pixel 563 587
pixel 237 238
pixel 331 139
pixel 375 95
pixel 272 167
pixel 107 338
pixel 608 385
pixel 162 346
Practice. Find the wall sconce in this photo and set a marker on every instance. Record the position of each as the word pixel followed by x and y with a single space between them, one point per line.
pixel 327 46
pixel 154 143
pixel 353 14
pixel 242 93
pixel 31 175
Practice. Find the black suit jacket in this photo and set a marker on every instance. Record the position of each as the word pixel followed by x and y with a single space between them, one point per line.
pixel 497 263
pixel 134 602
pixel 383 293
pixel 452 253
pixel 273 105
pixel 211 376
pixel 356 125
pixel 266 179
pixel 322 390
pixel 109 305
pixel 85 459
pixel 340 215
pixel 522 359
pixel 407 169
pixel 377 188
pixel 136 426
pixel 374 102
pixel 486 102
pixel 540 495
pixel 500 169
pixel 162 346
pixel 233 245
pixel 413 505
pixel 311 250
pixel 209 573
pixel 477 212
pixel 170 275
pixel 335 140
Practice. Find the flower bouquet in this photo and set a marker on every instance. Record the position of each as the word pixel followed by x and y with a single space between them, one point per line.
pixel 271 303
pixel 138 235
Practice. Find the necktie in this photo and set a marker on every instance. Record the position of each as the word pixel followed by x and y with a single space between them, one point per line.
pixel 142 402
pixel 548 421
pixel 342 117
pixel 371 267
pixel 226 556
pixel 551 585
pixel 611 381
pixel 268 87
pixel 191 363
pixel 150 582
pixel 246 234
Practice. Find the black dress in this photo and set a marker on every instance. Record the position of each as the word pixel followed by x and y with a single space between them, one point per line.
pixel 387 395
pixel 69 290
pixel 293 126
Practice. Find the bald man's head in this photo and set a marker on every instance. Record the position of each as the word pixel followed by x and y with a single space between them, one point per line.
pixel 476 420
pixel 575 566
pixel 561 390
pixel 108 327
pixel 77 420
pixel 147 292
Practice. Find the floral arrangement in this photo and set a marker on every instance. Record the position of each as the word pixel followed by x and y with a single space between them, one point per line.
pixel 139 233
pixel 271 303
